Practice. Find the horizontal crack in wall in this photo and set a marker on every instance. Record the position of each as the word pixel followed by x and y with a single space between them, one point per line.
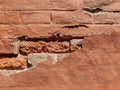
pixel 76 26
pixel 96 10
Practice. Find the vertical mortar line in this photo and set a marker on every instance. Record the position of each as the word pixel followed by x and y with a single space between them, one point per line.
pixel 69 46
pixel 51 19
pixel 20 18
pixel 93 20
pixel 115 15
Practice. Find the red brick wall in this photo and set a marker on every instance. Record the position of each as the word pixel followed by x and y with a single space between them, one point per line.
pixel 26 25
pixel 42 18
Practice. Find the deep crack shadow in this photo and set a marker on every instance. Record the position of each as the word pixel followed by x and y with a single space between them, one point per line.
pixel 76 26
pixel 97 10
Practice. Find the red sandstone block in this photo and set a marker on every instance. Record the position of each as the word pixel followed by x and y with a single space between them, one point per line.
pixel 27 47
pixel 5 31
pixel 104 18
pixel 7 47
pixel 35 17
pixel 64 4
pixel 46 31
pixel 107 5
pixel 26 17
pixel 13 63
pixel 39 4
pixel 117 18
pixel 9 17
pixel 71 18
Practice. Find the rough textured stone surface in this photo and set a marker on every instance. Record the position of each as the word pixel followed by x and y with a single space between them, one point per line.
pixel 75 44
pixel 39 5
pixel 41 46
pixel 72 18
pixel 38 31
pixel 104 18
pixel 57 26
pixel 107 5
pixel 82 70
pixel 7 47
pixel 24 17
pixel 14 63
pixel 36 58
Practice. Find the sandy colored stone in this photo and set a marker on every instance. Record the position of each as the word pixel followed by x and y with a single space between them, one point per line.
pixel 46 31
pixel 75 44
pixel 27 47
pixel 13 63
pixel 36 58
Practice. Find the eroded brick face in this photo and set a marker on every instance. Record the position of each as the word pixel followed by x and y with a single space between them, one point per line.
pixel 86 32
pixel 53 26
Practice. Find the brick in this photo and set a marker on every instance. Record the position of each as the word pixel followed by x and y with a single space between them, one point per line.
pixel 104 18
pixel 24 17
pixel 39 5
pixel 47 31
pixel 8 47
pixel 9 17
pixel 71 18
pixel 35 17
pixel 28 47
pixel 117 18
pixel 13 63
pixel 32 31
pixel 5 32
pixel 107 5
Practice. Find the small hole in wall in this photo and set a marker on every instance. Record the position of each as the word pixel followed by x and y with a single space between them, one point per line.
pixel 79 45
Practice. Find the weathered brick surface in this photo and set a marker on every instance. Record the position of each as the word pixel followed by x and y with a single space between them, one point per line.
pixel 41 47
pixel 104 18
pixel 14 63
pixel 39 4
pixel 107 5
pixel 72 18
pixel 117 18
pixel 57 26
pixel 47 31
pixel 24 17
pixel 7 47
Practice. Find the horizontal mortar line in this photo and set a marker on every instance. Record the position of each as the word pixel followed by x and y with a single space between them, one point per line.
pixel 24 24
pixel 89 24
pixel 61 25
pixel 41 10
pixel 56 10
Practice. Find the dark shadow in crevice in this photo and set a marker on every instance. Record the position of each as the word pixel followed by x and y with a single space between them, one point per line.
pixel 116 11
pixel 55 36
pixel 97 10
pixel 8 55
pixel 76 26
pixel 29 65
